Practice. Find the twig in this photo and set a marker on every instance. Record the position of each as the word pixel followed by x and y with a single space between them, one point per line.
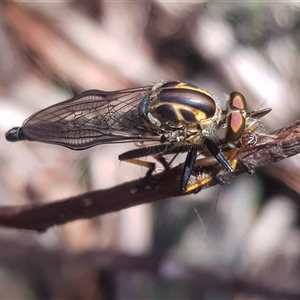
pixel 281 144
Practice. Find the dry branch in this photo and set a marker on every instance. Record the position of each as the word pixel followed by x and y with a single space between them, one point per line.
pixel 281 144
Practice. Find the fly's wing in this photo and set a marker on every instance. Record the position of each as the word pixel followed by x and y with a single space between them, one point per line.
pixel 89 119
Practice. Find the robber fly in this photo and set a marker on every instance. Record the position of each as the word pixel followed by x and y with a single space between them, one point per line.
pixel 174 117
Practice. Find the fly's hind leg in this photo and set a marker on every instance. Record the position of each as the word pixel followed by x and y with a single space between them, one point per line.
pixel 146 181
pixel 149 165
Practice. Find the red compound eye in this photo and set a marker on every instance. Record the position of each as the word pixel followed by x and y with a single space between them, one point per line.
pixel 235 126
pixel 237 101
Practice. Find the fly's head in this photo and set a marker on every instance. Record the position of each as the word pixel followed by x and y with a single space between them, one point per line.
pixel 241 128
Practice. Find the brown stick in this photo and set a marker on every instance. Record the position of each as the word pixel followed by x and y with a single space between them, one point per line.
pixel 283 143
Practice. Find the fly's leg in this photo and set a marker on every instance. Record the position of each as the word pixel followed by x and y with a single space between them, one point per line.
pixel 217 155
pixel 231 156
pixel 229 163
pixel 133 156
pixel 204 178
pixel 188 167
pixel 199 183
pixel 157 152
pixel 145 182
pixel 146 164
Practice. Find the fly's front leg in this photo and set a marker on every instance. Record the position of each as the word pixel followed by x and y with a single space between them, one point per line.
pixel 217 153
pixel 204 178
pixel 228 163
pixel 231 156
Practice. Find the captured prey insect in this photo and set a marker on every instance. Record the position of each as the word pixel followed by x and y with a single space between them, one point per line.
pixel 174 117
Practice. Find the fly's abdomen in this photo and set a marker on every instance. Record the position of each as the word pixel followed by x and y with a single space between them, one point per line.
pixel 15 134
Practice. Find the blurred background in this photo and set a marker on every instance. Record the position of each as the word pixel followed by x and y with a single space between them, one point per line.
pixel 245 241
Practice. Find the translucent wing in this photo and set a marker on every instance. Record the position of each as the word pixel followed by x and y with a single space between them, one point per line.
pixel 89 119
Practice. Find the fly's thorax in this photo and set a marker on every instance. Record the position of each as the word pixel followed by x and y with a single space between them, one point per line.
pixel 177 106
pixel 209 128
pixel 211 125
